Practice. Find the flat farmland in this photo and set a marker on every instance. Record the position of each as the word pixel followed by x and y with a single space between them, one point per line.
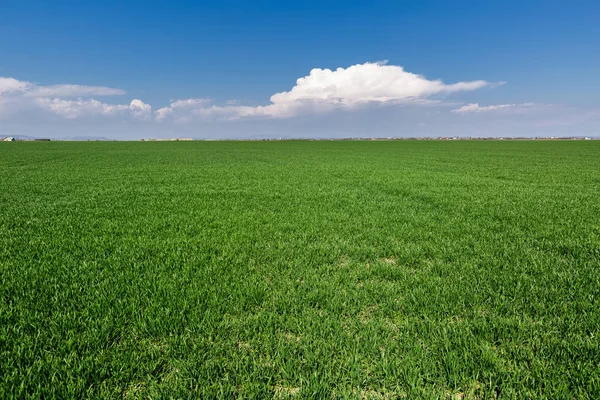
pixel 299 269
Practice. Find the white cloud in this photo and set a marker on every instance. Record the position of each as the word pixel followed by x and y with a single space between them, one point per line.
pixel 187 104
pixel 163 113
pixel 15 87
pixel 512 108
pixel 324 90
pixel 140 109
pixel 72 91
pixel 8 85
pixel 361 84
pixel 366 83
pixel 17 96
pixel 72 109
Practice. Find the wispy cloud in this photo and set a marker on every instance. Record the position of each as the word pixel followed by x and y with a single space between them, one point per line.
pixel 72 109
pixel 511 108
pixel 14 87
pixel 72 91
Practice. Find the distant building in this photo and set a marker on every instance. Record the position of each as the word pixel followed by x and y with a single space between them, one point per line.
pixel 9 139
pixel 42 140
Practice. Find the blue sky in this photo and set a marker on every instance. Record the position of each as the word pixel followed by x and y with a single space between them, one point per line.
pixel 206 70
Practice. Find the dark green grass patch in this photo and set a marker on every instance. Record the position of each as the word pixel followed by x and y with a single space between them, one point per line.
pixel 300 269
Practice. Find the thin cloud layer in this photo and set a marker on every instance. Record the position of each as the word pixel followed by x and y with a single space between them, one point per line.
pixel 72 109
pixel 14 87
pixel 72 91
pixel 513 108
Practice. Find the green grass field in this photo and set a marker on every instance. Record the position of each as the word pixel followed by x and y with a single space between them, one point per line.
pixel 300 269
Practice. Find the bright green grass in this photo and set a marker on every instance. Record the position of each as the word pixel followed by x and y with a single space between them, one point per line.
pixel 309 269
